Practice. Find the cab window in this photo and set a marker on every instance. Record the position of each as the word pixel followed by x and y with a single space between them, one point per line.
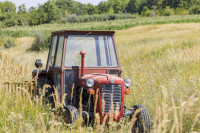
pixel 100 51
pixel 52 52
pixel 59 52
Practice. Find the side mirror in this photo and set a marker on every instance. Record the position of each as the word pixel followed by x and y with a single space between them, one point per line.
pixel 38 63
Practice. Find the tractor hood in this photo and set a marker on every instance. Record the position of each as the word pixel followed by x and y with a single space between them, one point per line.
pixel 100 79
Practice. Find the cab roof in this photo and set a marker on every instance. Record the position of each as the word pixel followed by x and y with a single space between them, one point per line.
pixel 102 32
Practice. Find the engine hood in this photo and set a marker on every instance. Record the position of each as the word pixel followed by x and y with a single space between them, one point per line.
pixel 100 79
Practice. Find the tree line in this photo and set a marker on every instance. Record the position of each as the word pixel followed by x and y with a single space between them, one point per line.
pixel 62 11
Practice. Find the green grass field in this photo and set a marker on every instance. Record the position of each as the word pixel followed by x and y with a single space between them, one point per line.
pixel 46 29
pixel 162 60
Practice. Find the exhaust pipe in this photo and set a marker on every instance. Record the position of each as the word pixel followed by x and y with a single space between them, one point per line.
pixel 83 53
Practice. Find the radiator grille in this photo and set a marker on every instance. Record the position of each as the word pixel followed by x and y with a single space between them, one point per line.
pixel 111 92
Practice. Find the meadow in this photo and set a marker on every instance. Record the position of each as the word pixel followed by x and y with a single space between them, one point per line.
pixel 46 29
pixel 163 62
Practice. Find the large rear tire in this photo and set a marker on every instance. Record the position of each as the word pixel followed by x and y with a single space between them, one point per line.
pixel 142 124
pixel 71 114
pixel 38 90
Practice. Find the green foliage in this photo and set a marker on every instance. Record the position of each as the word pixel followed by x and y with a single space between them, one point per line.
pixel 195 9
pixel 111 10
pixel 7 42
pixel 103 7
pixel 90 18
pixel 71 7
pixel 40 43
pixel 146 11
pixel 57 11
pixel 33 17
pixel 133 6
pixel 181 11
pixel 9 19
pixel 7 7
pixel 91 9
pixel 46 29
pixel 168 11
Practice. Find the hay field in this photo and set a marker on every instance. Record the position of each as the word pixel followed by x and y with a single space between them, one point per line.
pixel 162 60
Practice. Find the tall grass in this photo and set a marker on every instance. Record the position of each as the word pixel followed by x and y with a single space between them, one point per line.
pixel 46 29
pixel 162 61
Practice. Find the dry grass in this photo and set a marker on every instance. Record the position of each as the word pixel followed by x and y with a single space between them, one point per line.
pixel 163 56
pixel 162 61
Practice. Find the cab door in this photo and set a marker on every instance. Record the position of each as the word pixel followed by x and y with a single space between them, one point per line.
pixel 54 63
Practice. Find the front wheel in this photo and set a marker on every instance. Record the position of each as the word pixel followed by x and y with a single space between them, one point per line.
pixel 142 123
pixel 71 114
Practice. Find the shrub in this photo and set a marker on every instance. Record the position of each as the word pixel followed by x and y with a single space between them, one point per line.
pixel 146 11
pixel 9 19
pixel 182 11
pixel 195 9
pixel 168 11
pixel 40 43
pixel 7 42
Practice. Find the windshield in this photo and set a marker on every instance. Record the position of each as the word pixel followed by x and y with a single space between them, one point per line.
pixel 100 51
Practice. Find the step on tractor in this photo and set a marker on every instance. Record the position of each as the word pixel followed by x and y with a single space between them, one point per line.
pixel 84 68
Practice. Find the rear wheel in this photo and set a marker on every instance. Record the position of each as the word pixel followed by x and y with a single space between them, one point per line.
pixel 70 114
pixel 38 90
pixel 142 124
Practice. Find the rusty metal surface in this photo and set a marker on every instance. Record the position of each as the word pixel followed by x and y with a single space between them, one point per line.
pixel 78 32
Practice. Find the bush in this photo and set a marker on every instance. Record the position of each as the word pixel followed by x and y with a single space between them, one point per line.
pixel 146 11
pixel 168 11
pixel 182 11
pixel 9 19
pixel 40 43
pixel 195 9
pixel 7 42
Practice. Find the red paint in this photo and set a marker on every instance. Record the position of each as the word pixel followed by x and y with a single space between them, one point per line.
pixel 101 79
pixel 83 53
pixel 99 74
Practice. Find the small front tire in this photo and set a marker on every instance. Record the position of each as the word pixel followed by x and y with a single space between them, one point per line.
pixel 70 114
pixel 142 124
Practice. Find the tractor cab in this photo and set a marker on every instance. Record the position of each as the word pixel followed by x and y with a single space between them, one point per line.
pixel 85 69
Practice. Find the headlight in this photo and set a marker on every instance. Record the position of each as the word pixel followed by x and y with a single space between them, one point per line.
pixel 90 82
pixel 128 82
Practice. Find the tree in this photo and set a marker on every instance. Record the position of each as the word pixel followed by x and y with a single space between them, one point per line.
pixel 33 16
pixel 146 11
pixel 22 9
pixel 8 7
pixel 22 15
pixel 111 11
pixel 131 7
pixel 50 11
pixel 9 19
pixel 103 7
pixel 8 14
pixel 91 9
pixel 71 7
pixel 135 6
pixel 1 13
pixel 195 8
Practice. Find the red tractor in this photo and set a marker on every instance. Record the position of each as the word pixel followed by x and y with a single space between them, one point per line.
pixel 86 64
